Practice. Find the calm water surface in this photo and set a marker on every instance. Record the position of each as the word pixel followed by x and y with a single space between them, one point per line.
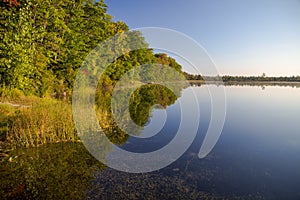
pixel 256 157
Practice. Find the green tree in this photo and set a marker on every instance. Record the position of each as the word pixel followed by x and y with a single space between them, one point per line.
pixel 44 42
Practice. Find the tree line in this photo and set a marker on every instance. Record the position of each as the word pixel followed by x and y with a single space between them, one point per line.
pixel 227 78
pixel 43 43
pixel 260 79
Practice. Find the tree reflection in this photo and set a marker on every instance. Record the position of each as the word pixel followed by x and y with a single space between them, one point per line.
pixel 147 96
pixel 54 171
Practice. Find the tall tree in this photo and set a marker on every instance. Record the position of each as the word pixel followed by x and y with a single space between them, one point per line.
pixel 44 42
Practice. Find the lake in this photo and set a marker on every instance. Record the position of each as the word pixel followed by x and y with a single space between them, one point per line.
pixel 256 156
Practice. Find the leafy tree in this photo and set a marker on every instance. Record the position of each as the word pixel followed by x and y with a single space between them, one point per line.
pixel 44 42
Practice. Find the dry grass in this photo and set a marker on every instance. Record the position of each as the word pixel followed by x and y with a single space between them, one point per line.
pixel 46 120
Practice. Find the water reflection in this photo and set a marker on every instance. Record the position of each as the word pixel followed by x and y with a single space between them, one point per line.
pixel 257 156
pixel 55 171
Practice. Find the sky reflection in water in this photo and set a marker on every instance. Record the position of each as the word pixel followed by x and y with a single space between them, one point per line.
pixel 258 151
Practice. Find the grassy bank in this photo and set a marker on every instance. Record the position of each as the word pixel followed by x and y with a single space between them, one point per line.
pixel 32 121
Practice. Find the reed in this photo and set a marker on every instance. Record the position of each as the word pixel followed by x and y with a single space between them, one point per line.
pixel 46 120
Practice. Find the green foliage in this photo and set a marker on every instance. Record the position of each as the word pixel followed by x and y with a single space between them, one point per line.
pixel 197 77
pixel 105 116
pixel 43 44
pixel 163 59
pixel 7 94
pixel 145 98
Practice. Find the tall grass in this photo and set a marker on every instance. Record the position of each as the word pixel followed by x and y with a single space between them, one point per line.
pixel 7 94
pixel 45 121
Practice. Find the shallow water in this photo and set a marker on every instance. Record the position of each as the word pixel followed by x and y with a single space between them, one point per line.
pixel 256 156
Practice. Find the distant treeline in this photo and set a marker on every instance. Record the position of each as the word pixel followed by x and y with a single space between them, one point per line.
pixel 261 78
pixel 227 78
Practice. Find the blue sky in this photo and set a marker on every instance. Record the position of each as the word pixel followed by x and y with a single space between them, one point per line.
pixel 243 37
